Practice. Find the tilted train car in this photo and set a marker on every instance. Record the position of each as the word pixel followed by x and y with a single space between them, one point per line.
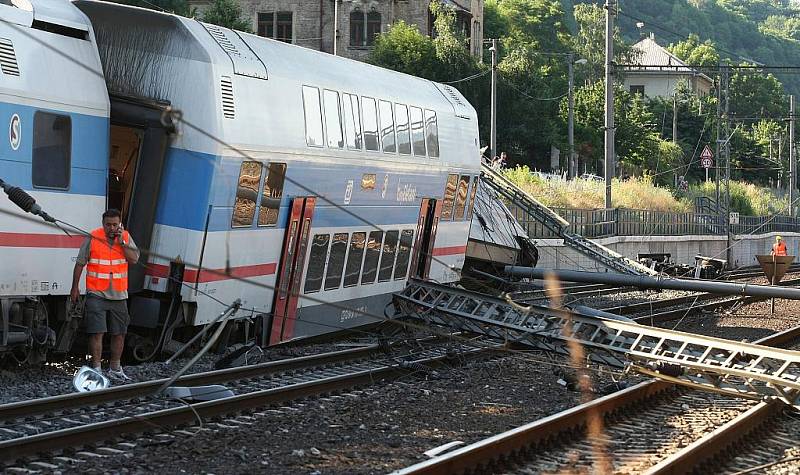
pixel 327 179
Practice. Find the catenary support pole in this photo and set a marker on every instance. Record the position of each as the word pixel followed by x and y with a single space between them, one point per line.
pixel 571 165
pixel 792 159
pixel 493 125
pixel 647 282
pixel 610 6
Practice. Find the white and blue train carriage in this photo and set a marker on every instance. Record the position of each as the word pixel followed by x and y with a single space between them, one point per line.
pixel 329 180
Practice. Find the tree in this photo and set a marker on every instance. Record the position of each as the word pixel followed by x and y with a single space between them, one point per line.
pixel 403 48
pixel 227 13
pixel 692 51
pixel 589 42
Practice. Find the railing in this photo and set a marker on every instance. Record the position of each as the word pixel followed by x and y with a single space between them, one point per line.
pixel 597 223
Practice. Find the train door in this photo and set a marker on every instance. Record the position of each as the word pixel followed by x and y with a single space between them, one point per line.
pixel 138 141
pixel 290 271
pixel 427 223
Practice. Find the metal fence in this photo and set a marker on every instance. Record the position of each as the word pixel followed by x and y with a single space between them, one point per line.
pixel 596 223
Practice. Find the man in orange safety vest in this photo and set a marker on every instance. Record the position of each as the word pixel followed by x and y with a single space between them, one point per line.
pixel 106 253
pixel 779 248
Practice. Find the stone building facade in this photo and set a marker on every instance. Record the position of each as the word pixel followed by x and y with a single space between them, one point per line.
pixel 310 23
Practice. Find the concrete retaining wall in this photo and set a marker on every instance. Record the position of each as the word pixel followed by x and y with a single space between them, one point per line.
pixel 554 255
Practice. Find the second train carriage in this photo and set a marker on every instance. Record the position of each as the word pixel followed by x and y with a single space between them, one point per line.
pixel 327 179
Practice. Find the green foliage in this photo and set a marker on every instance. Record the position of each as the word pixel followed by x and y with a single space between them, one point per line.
pixel 227 13
pixel 746 198
pixel 403 48
pixel 692 51
pixel 589 42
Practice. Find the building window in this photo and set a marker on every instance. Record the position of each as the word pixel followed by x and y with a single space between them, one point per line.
pixel 357 28
pixel 637 90
pixel 364 28
pixel 52 142
pixel 244 207
pixel 277 26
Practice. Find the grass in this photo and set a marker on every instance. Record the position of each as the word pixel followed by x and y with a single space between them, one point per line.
pixel 641 193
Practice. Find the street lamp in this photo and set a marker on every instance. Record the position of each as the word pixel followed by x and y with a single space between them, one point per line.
pixel 572 165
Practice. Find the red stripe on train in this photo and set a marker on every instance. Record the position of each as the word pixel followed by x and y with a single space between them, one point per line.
pixel 449 251
pixel 214 275
pixel 55 241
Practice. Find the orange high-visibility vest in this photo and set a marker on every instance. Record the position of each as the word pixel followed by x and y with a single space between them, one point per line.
pixel 779 248
pixel 106 263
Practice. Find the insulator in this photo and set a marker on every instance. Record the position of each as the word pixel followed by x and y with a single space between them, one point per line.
pixel 21 198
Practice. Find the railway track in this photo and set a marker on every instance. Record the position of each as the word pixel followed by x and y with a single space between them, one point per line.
pixel 654 426
pixel 28 428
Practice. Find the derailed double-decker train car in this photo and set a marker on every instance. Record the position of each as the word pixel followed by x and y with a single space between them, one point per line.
pixel 307 186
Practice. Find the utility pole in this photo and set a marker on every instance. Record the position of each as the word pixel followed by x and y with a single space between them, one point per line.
pixel 728 253
pixel 719 157
pixel 493 125
pixel 792 164
pixel 610 7
pixel 675 118
pixel 570 118
pixel 335 26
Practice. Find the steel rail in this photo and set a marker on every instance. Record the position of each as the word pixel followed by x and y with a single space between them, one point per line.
pixel 20 409
pixel 478 456
pixel 77 436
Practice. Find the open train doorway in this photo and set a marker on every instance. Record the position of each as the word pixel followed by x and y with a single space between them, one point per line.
pixel 138 152
pixel 427 223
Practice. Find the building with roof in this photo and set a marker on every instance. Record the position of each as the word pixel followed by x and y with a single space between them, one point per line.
pixel 655 72
pixel 357 22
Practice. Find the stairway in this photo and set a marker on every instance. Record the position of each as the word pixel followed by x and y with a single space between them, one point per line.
pixel 742 369
pixel 558 225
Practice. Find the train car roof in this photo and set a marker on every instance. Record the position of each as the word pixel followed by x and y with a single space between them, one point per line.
pixel 54 12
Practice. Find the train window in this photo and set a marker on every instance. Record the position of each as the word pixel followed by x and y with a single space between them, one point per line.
pixel 272 194
pixel 449 197
pixel 387 256
pixel 370 124
pixel 387 127
pixel 417 132
pixel 461 197
pixel 403 133
pixel 52 144
pixel 472 197
pixel 316 262
pixel 333 119
pixel 354 257
pixel 403 253
pixel 333 279
pixel 373 253
pixel 244 207
pixel 432 133
pixel 352 122
pixel 313 113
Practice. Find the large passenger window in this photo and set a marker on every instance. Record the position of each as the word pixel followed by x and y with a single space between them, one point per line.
pixel 417 131
pixel 333 279
pixel 472 197
pixel 354 258
pixel 403 253
pixel 431 133
pixel 352 122
pixel 373 253
pixel 52 143
pixel 333 119
pixel 316 262
pixel 370 124
pixel 272 194
pixel 403 131
pixel 244 208
pixel 449 197
pixel 387 256
pixel 461 197
pixel 387 127
pixel 313 114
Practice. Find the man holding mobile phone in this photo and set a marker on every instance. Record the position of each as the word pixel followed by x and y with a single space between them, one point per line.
pixel 106 253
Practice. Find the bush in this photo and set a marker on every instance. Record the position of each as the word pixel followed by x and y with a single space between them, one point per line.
pixel 634 193
pixel 746 198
